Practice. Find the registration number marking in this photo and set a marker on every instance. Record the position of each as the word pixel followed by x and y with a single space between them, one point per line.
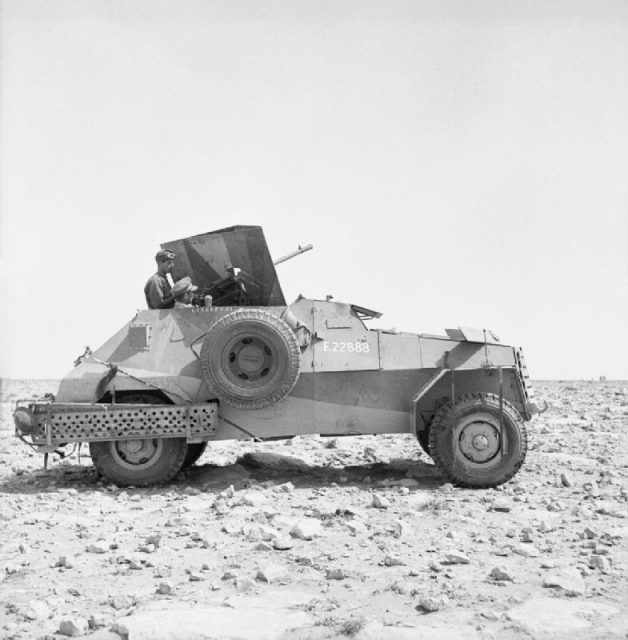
pixel 346 347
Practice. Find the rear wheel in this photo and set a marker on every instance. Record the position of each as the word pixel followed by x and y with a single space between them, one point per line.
pixel 475 444
pixel 141 462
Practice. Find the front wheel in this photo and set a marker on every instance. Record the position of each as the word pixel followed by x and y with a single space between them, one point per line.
pixel 475 444
pixel 141 463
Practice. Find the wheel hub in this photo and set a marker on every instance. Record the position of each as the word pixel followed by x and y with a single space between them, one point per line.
pixel 479 440
pixel 136 452
pixel 250 359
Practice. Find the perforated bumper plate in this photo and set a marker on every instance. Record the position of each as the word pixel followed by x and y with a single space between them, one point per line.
pixel 57 423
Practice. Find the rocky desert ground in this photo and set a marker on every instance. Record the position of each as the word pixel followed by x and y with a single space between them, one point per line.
pixel 314 538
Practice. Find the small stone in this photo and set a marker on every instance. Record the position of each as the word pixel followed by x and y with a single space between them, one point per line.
pixel 501 505
pixel 429 604
pixel 253 499
pixel 36 610
pixel 490 615
pixel 501 574
pixel 398 528
pixel 526 550
pixel 96 548
pixel 455 557
pixel 154 539
pixel 121 602
pixel 147 548
pixel 228 493
pixel 73 626
pixel 63 561
pixel 244 584
pixel 379 502
pixel 392 561
pixel 570 581
pixel 97 621
pixel 164 588
pixel 272 572
pixel 282 543
pixel 435 566
pixel 566 480
pixel 601 563
pixel 196 576
pixel 306 529
pixel 336 574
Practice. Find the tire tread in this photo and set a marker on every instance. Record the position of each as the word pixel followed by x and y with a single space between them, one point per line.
pixel 483 400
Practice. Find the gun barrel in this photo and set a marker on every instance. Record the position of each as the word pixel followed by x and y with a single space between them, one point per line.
pixel 299 251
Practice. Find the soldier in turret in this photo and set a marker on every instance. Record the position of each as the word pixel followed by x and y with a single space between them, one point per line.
pixel 157 289
pixel 183 292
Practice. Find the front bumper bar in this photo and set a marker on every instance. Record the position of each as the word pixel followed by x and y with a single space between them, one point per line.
pixel 50 423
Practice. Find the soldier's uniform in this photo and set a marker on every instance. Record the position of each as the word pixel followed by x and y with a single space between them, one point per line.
pixel 157 289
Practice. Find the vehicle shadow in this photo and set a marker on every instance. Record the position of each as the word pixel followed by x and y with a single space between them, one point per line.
pixel 249 469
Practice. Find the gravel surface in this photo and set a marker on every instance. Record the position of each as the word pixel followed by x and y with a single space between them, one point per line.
pixel 317 538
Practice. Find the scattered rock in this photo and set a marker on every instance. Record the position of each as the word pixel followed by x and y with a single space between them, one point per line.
pixel 73 626
pixel 456 557
pixel 306 529
pixel 501 574
pixel 380 502
pixel 429 604
pixel 566 480
pixel 36 610
pixel 336 574
pixel 121 602
pixel 272 572
pixel 393 561
pixel 164 588
pixel 502 505
pixel 569 581
pixel 282 543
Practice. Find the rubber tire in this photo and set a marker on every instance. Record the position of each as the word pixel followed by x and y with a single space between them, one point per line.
pixel 451 461
pixel 262 326
pixel 170 462
pixel 195 451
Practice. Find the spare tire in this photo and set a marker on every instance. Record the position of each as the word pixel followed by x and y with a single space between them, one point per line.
pixel 250 359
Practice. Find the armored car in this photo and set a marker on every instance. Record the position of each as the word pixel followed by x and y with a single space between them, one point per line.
pixel 243 363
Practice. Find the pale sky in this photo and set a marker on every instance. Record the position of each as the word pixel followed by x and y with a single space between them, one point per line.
pixel 454 163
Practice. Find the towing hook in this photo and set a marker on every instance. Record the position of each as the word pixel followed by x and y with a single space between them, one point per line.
pixel 545 408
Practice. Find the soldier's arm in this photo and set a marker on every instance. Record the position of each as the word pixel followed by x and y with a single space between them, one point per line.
pixel 156 294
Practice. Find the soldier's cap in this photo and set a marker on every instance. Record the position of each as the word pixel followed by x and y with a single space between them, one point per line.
pixel 163 255
pixel 182 286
